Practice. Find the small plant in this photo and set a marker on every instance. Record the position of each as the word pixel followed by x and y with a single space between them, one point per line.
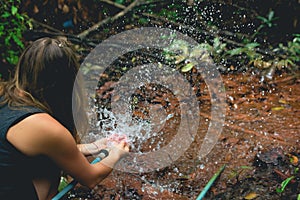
pixel 185 56
pixel 12 26
pixel 248 50
pixel 290 52
pixel 267 21
pixel 169 14
pixel 284 184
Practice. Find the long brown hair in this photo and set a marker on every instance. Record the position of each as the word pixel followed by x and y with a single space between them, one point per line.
pixel 44 78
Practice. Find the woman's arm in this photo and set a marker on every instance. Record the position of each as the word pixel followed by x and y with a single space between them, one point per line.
pixel 92 148
pixel 48 137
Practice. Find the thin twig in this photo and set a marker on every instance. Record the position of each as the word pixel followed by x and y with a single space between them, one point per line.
pixel 46 26
pixel 142 3
pixel 109 19
pixel 289 78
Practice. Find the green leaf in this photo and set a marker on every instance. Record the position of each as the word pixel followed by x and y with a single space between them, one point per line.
pixel 63 183
pixel 20 17
pixel 288 61
pixel 217 42
pixel 5 14
pixel 187 67
pixel 271 15
pixel 252 45
pixel 246 167
pixel 7 40
pixel 296 40
pixel 29 24
pixel 14 10
pixel 12 58
pixel 18 41
pixel 284 184
pixel 236 51
pixel 262 19
pixel 204 46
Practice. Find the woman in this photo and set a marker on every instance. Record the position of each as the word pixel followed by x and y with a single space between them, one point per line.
pixel 37 132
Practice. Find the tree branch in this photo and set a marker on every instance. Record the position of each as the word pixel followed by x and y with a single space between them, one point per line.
pixel 46 26
pixel 109 19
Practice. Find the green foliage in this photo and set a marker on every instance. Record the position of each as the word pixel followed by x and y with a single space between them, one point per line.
pixel 284 184
pixel 171 12
pixel 62 184
pixel 266 22
pixel 269 20
pixel 248 49
pixel 185 56
pixel 12 25
pixel 291 51
pixel 143 21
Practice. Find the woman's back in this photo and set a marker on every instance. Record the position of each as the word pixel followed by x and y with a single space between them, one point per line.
pixel 16 169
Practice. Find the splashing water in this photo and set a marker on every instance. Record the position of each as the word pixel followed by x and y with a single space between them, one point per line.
pixel 139 132
pixel 136 131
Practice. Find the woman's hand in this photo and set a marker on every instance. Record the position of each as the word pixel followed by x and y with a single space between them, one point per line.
pixel 117 138
pixel 104 143
pixel 93 148
pixel 100 144
pixel 116 144
pixel 119 144
pixel 118 148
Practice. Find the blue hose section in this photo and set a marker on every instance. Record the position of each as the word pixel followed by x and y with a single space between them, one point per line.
pixel 71 185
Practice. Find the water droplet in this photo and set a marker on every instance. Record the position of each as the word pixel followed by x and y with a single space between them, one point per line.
pixel 202 166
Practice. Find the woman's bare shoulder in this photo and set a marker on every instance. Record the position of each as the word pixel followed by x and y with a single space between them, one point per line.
pixel 43 121
pixel 42 124
pixel 36 133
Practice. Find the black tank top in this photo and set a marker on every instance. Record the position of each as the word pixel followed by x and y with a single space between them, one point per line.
pixel 16 169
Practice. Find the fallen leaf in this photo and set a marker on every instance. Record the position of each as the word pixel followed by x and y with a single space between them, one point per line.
pixel 282 101
pixel 293 159
pixel 278 108
pixel 251 195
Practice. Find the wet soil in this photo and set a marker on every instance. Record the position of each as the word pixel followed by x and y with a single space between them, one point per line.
pixel 259 145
